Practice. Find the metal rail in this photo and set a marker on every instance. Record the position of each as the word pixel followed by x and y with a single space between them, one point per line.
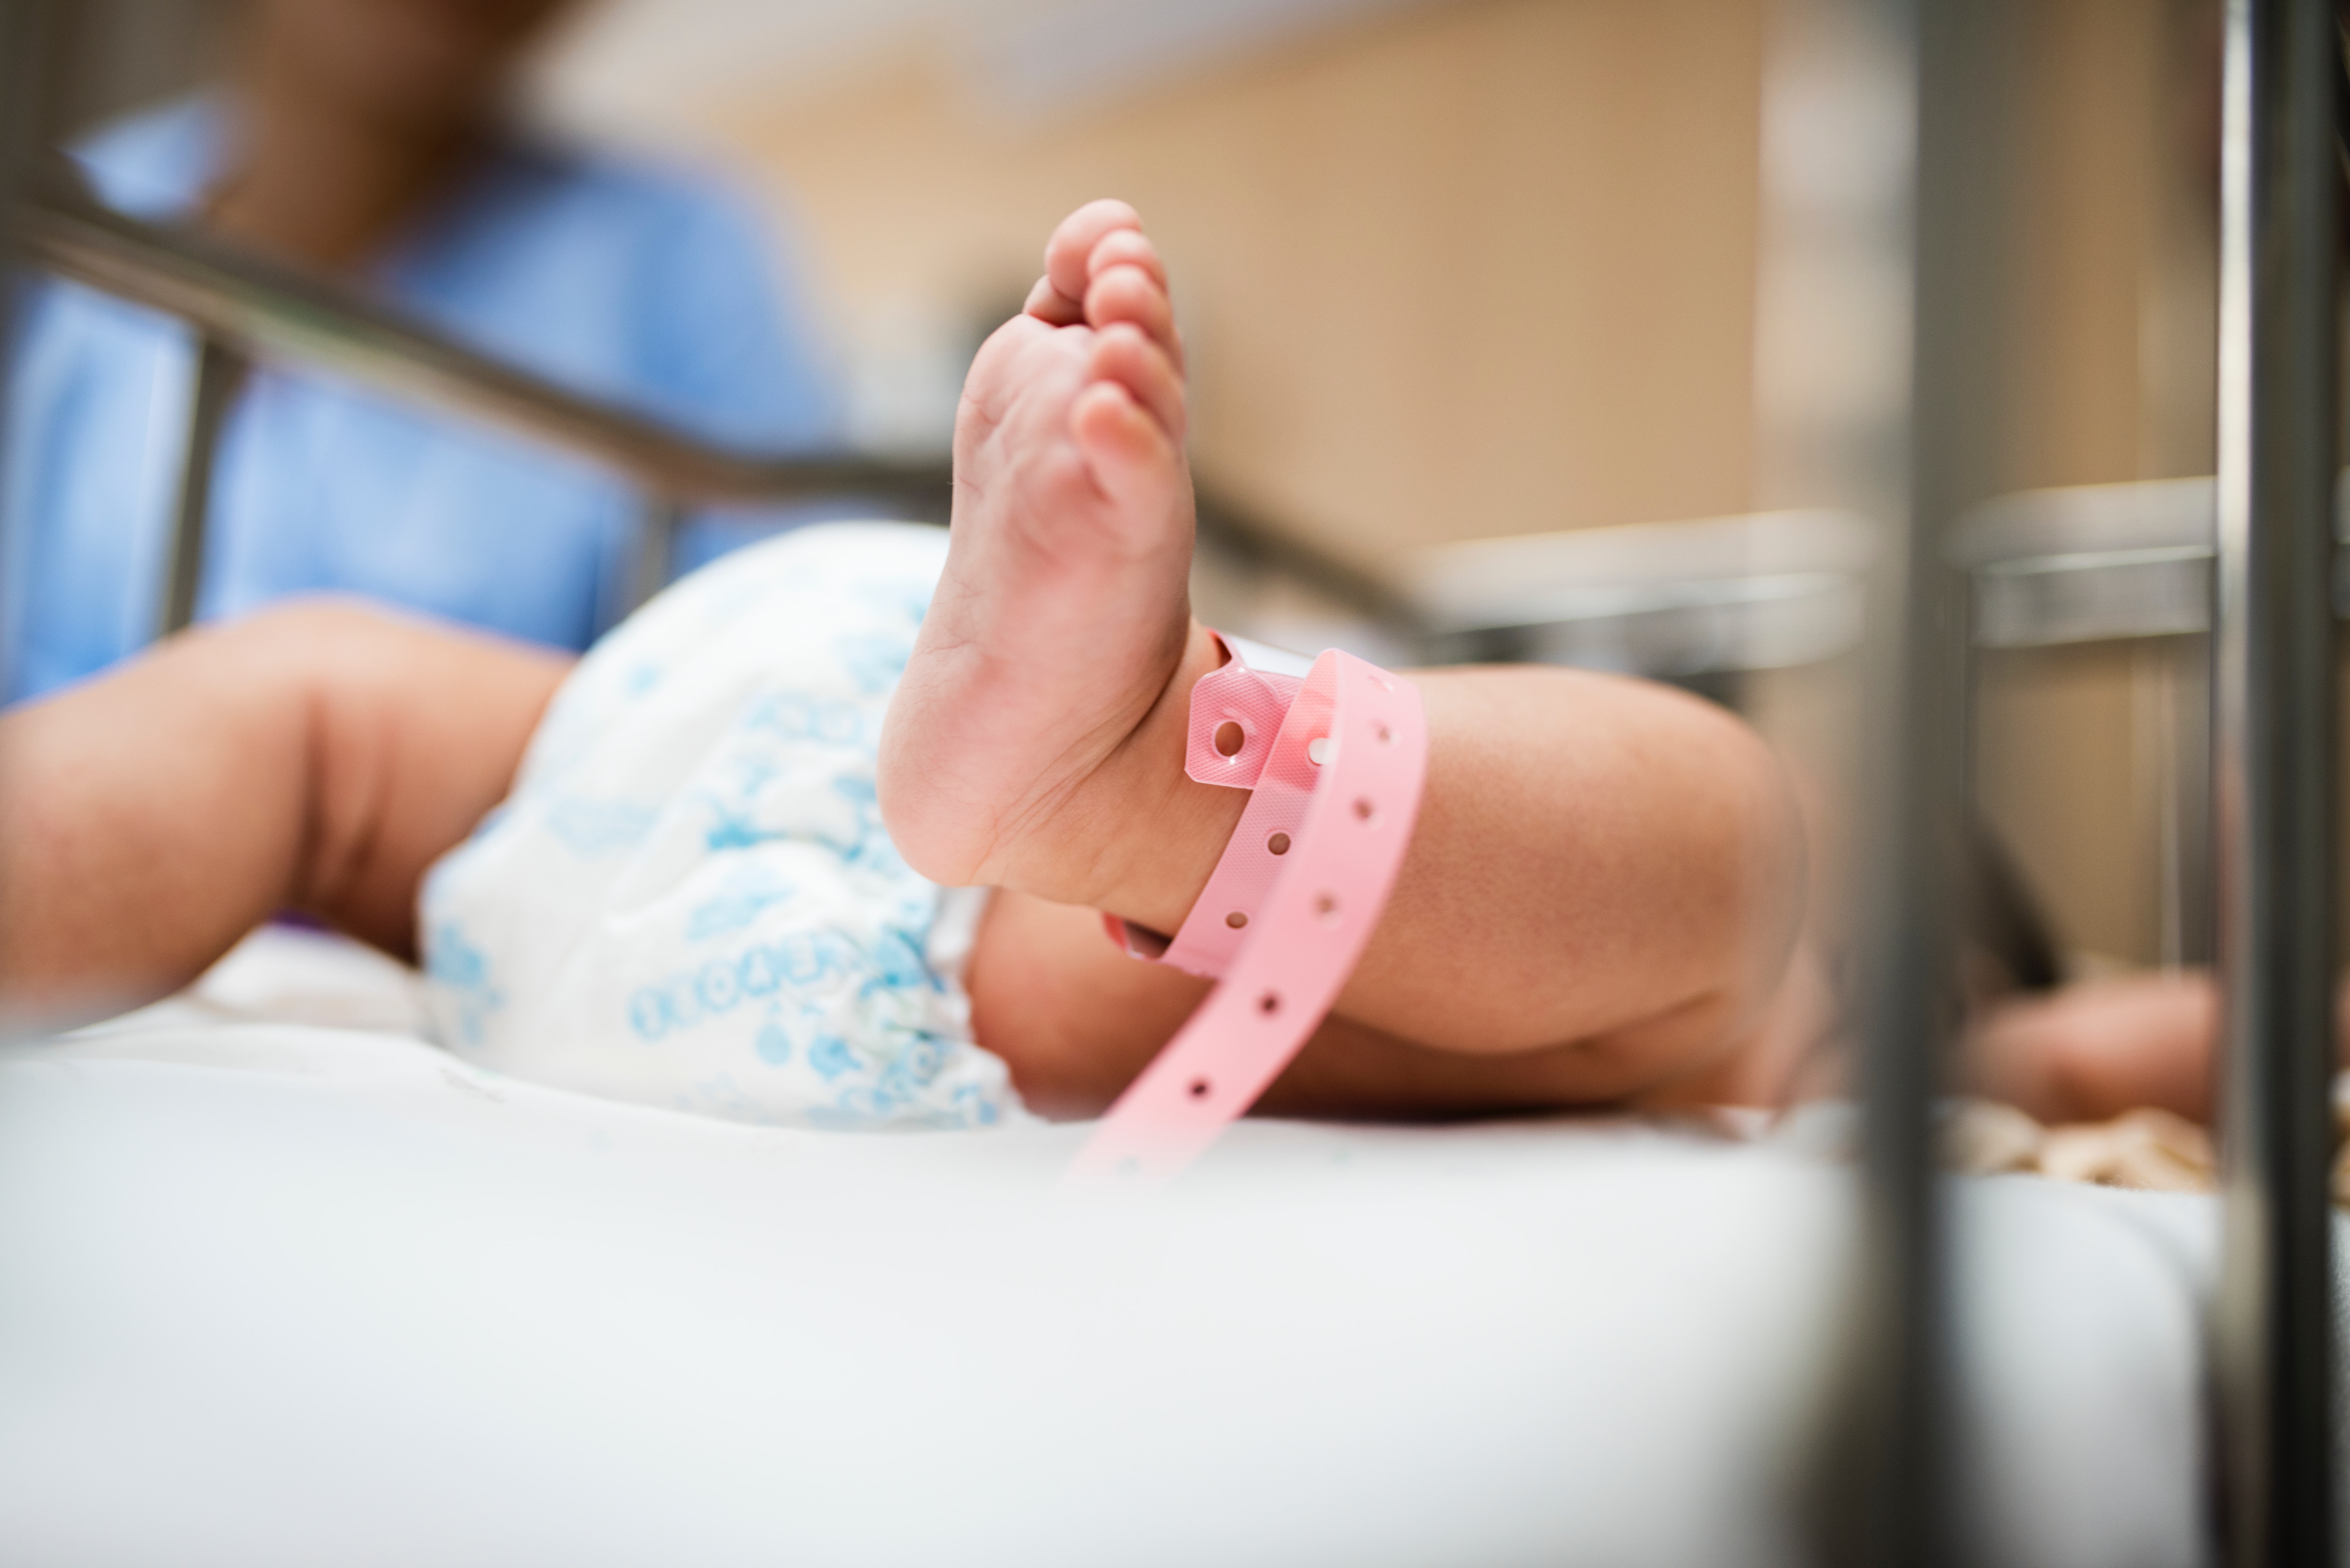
pixel 28 30
pixel 273 312
pixel 1674 600
pixel 245 307
pixel 220 371
pixel 1897 1504
pixel 2273 781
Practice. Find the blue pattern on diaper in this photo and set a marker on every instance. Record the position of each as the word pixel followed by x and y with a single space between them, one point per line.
pixel 794 716
pixel 894 601
pixel 896 963
pixel 595 827
pixel 874 660
pixel 738 903
pixel 829 1055
pixel 462 971
pixel 732 828
pixel 686 998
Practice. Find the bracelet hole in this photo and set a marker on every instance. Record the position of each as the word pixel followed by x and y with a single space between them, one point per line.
pixel 1200 1088
pixel 1237 919
pixel 1317 749
pixel 1366 811
pixel 1383 732
pixel 1230 738
pixel 1278 843
pixel 1326 906
pixel 1269 1003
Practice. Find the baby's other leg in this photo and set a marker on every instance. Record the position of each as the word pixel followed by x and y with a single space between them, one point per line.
pixel 317 757
pixel 2098 1048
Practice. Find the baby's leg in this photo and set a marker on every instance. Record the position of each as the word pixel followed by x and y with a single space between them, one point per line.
pixel 1075 1020
pixel 1604 882
pixel 315 757
pixel 2101 1047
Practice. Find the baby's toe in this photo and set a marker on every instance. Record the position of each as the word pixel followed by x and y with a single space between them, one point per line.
pixel 1128 452
pixel 1129 294
pixel 1126 247
pixel 1122 353
pixel 1068 253
pixel 1049 305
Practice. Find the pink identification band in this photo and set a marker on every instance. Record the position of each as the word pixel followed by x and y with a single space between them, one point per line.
pixel 1237 709
pixel 1284 919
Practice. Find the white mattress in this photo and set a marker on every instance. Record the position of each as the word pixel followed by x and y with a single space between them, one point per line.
pixel 279 1293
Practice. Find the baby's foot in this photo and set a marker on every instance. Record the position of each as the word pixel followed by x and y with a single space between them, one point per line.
pixel 1064 610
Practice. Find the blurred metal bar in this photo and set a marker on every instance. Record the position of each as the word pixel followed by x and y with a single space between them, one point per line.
pixel 277 312
pixel 2274 785
pixel 2046 601
pixel 1895 1478
pixel 657 527
pixel 2190 918
pixel 2096 563
pixel 1670 600
pixel 25 29
pixel 219 372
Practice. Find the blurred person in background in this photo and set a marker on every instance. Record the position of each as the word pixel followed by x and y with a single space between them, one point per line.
pixel 372 140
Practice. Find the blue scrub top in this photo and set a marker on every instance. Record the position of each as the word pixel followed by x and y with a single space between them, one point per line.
pixel 631 283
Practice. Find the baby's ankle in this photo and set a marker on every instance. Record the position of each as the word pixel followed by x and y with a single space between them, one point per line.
pixel 1138 837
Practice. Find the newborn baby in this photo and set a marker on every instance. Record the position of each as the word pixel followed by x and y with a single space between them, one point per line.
pixel 722 863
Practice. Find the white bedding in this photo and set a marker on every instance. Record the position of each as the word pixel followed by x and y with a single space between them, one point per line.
pixel 279 1293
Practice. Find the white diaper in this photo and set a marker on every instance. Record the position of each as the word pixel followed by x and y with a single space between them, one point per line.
pixel 689 899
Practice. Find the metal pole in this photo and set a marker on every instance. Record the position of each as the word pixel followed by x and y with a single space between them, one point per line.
pixel 1893 1469
pixel 26 32
pixel 659 520
pixel 220 370
pixel 2273 778
pixel 2191 938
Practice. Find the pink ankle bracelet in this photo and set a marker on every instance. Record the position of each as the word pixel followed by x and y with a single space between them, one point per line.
pixel 1335 762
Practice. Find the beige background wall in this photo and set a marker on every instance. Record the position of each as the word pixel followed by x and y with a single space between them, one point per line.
pixel 1479 268
pixel 2114 280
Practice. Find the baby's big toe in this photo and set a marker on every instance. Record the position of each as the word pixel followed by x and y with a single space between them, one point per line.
pixel 1068 255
